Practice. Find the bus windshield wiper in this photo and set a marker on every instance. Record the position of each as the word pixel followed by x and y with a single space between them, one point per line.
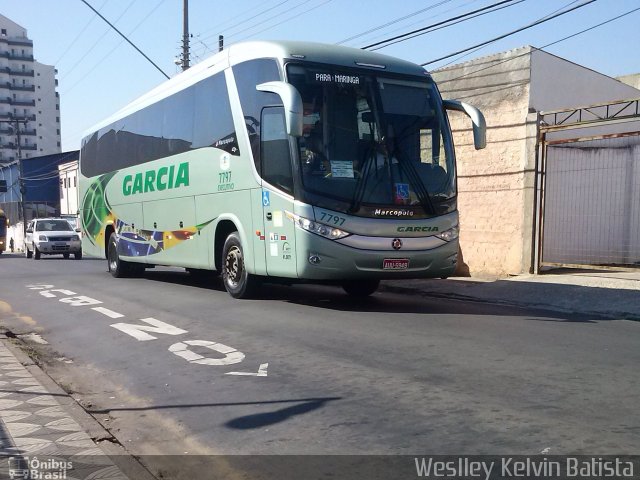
pixel 358 194
pixel 407 167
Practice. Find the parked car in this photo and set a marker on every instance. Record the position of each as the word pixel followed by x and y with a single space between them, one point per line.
pixel 52 236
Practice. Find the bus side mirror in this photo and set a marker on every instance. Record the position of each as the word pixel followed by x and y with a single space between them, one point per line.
pixel 479 124
pixel 291 101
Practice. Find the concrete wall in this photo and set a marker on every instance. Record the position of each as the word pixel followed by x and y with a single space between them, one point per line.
pixel 494 208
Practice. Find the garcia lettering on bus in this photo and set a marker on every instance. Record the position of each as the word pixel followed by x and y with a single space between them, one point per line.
pixel 164 178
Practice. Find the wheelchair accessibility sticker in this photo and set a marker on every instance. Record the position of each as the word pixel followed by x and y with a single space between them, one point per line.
pixel 266 201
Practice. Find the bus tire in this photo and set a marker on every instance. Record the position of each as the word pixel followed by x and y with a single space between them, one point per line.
pixel 36 253
pixel 237 281
pixel 118 268
pixel 361 288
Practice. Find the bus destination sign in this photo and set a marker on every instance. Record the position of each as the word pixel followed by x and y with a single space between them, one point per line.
pixel 335 78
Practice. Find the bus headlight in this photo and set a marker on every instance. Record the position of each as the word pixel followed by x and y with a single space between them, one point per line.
pixel 317 228
pixel 450 234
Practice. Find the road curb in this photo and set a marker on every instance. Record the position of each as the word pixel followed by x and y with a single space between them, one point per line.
pixel 101 437
pixel 608 315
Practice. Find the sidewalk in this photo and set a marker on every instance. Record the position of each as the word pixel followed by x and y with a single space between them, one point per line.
pixel 40 427
pixel 610 294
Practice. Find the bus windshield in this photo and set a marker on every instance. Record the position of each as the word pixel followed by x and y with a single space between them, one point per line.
pixel 371 141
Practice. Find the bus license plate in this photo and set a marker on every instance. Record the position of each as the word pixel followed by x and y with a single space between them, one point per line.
pixel 395 263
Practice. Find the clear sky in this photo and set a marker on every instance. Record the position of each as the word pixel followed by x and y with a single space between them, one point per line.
pixel 99 73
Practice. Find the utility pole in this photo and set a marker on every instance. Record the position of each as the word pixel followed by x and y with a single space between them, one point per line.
pixel 23 185
pixel 185 35
pixel 21 181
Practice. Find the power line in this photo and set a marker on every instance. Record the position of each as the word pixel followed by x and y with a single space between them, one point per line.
pixel 420 21
pixel 513 32
pixel 125 37
pixel 266 20
pixel 90 49
pixel 291 18
pixel 205 38
pixel 544 46
pixel 417 12
pixel 480 48
pixel 79 35
pixel 423 29
pixel 241 22
pixel 104 57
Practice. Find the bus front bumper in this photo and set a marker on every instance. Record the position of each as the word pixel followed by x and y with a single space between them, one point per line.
pixel 319 258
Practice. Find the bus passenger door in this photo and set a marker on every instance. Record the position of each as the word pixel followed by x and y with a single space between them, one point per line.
pixel 277 194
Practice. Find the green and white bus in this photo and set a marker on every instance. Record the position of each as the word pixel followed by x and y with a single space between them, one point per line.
pixel 287 160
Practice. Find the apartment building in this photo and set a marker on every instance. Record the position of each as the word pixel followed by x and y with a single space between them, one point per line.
pixel 29 103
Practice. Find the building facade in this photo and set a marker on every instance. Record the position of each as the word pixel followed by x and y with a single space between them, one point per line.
pixel 496 186
pixel 69 192
pixel 29 103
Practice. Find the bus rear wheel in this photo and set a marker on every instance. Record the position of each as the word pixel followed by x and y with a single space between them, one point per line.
pixel 118 268
pixel 361 288
pixel 237 281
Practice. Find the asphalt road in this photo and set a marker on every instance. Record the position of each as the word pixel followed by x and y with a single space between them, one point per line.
pixel 306 370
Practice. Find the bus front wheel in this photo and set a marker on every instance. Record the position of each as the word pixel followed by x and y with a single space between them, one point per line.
pixel 361 288
pixel 118 267
pixel 237 281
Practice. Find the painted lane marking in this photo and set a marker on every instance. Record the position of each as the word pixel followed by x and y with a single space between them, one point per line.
pixel 231 355
pixel 142 332
pixel 138 331
pixel 262 372
pixel 107 312
pixel 48 294
pixel 80 301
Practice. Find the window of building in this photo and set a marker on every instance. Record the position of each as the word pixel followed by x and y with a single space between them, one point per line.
pixel 57 107
pixel 4 32
pixel 57 118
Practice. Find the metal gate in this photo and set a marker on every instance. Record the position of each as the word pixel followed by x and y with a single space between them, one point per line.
pixel 588 187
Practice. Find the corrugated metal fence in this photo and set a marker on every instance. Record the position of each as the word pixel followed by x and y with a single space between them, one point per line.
pixel 592 202
pixel 588 187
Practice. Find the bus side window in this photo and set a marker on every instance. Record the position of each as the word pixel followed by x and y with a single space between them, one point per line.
pixel 275 152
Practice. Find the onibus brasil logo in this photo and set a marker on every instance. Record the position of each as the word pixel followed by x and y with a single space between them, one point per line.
pixel 38 469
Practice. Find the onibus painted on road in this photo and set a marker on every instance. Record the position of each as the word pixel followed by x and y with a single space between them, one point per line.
pixel 279 159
